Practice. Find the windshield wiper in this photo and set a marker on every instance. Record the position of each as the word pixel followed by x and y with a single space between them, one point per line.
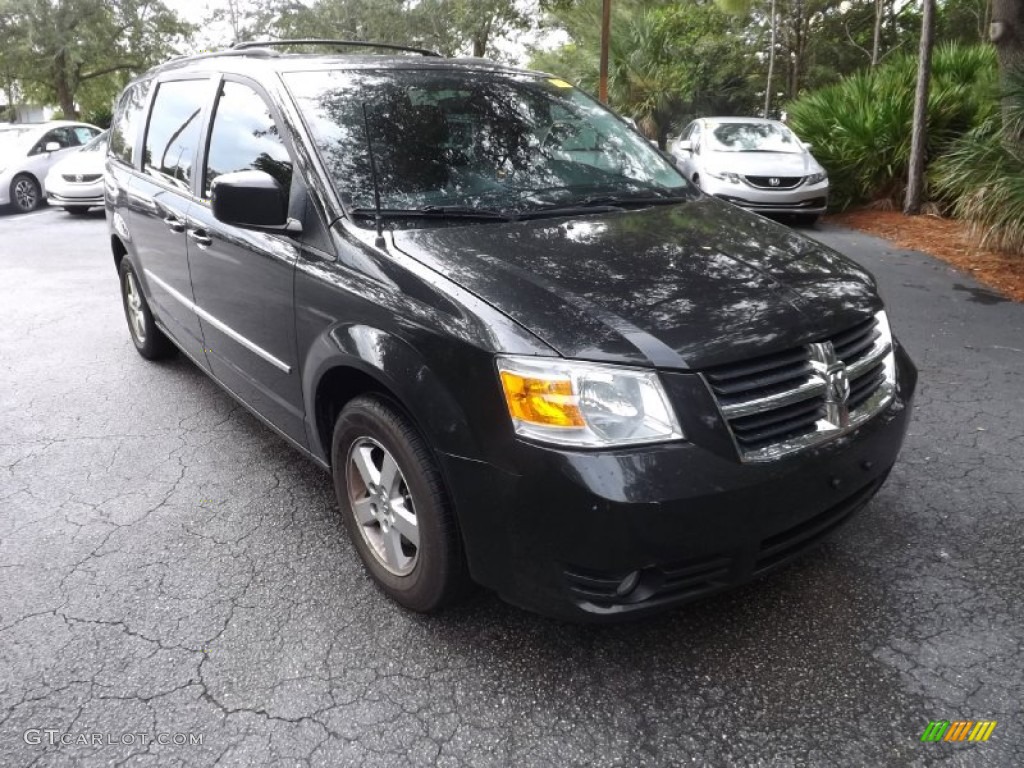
pixel 435 212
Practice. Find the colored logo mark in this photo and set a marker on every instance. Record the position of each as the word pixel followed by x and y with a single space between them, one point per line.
pixel 958 730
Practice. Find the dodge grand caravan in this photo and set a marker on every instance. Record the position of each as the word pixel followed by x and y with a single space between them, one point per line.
pixel 530 353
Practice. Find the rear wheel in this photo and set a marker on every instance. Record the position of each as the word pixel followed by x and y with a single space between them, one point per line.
pixel 25 193
pixel 394 506
pixel 149 341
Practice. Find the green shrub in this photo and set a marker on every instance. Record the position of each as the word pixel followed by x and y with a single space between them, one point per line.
pixel 982 175
pixel 860 127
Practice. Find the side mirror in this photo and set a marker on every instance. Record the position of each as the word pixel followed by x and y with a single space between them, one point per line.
pixel 52 146
pixel 685 145
pixel 806 145
pixel 252 199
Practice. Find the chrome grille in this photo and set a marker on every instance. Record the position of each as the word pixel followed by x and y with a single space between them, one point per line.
pixel 781 182
pixel 789 400
pixel 81 178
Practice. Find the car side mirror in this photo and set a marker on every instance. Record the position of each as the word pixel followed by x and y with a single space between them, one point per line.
pixel 52 146
pixel 806 145
pixel 684 145
pixel 252 199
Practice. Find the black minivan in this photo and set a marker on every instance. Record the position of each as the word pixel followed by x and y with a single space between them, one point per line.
pixel 529 352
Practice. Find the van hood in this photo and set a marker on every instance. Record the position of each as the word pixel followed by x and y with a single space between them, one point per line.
pixel 694 284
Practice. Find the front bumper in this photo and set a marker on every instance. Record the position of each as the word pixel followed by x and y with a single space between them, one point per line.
pixel 591 536
pixel 805 198
pixel 64 193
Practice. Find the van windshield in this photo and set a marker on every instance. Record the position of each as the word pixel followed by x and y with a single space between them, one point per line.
pixel 474 141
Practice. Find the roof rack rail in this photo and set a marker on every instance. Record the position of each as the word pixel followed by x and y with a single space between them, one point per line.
pixel 338 43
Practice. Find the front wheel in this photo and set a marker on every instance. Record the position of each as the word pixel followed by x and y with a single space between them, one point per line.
pixel 149 340
pixel 25 193
pixel 394 506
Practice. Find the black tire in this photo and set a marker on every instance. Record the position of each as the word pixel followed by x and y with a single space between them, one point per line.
pixel 149 341
pixel 77 210
pixel 437 575
pixel 25 194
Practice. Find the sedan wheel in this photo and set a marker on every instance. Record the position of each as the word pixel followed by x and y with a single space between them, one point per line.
pixel 25 193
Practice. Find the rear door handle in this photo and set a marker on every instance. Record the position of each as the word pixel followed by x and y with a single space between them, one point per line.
pixel 174 223
pixel 200 237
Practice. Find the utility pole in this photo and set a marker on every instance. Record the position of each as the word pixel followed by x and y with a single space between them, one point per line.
pixel 606 29
pixel 771 64
pixel 919 131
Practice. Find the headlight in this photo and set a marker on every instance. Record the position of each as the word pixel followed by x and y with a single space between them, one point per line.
pixel 724 176
pixel 815 178
pixel 586 404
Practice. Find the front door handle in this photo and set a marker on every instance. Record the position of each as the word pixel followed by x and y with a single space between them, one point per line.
pixel 174 223
pixel 200 237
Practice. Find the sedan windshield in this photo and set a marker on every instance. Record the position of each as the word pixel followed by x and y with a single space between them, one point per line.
pixel 754 137
pixel 465 144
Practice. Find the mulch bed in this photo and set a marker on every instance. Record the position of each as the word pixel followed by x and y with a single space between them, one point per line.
pixel 946 239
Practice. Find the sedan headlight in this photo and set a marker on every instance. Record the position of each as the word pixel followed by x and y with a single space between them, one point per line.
pixel 586 404
pixel 816 178
pixel 724 176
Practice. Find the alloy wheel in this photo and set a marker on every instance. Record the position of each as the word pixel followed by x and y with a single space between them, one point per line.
pixel 26 195
pixel 133 302
pixel 382 505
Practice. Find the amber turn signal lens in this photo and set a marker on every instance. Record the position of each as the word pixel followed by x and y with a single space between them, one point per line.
pixel 544 401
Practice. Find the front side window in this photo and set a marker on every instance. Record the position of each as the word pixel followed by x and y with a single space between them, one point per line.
pixel 64 137
pixel 173 133
pixel 483 141
pixel 125 126
pixel 245 137
pixel 83 134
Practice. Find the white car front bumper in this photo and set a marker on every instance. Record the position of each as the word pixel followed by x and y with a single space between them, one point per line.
pixel 801 198
pixel 63 192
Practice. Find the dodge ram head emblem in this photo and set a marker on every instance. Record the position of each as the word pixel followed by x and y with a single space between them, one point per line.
pixel 832 371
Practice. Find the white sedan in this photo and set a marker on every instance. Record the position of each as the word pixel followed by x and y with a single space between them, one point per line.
pixel 756 164
pixel 28 150
pixel 76 182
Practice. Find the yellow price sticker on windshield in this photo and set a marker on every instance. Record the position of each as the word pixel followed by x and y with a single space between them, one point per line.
pixel 559 83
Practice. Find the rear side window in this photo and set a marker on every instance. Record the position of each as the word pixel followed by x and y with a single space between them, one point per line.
pixel 173 133
pixel 125 127
pixel 245 137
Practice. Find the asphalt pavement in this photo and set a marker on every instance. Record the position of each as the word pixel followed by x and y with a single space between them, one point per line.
pixel 171 571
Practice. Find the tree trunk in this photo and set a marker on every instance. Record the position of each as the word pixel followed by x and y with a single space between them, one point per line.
pixel 1007 32
pixel 919 131
pixel 771 63
pixel 876 45
pixel 61 84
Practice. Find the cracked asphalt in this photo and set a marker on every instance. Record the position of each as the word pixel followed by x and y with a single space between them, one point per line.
pixel 169 566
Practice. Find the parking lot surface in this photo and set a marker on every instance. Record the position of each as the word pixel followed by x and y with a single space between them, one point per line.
pixel 170 569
